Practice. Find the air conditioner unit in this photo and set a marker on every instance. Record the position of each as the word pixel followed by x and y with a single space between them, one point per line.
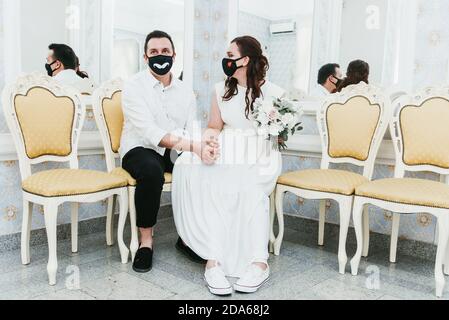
pixel 283 28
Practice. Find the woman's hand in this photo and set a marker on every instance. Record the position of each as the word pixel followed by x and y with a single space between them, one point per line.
pixel 206 151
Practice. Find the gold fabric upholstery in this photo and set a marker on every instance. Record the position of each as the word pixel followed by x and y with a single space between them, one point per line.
pixel 113 115
pixel 46 122
pixel 70 182
pixel 425 133
pixel 332 181
pixel 407 191
pixel 351 127
pixel 131 181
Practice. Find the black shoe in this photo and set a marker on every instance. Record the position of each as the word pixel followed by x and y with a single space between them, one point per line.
pixel 185 250
pixel 143 261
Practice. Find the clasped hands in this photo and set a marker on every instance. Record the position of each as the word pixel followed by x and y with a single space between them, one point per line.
pixel 208 150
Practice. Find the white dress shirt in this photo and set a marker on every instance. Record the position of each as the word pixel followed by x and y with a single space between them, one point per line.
pixel 152 111
pixel 69 77
pixel 320 92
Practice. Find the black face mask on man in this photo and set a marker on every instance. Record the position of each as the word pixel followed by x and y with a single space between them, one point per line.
pixel 161 65
pixel 50 71
pixel 230 66
pixel 336 83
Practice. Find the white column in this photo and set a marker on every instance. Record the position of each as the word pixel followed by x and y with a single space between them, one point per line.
pixel 189 30
pixel 11 45
pixel 106 39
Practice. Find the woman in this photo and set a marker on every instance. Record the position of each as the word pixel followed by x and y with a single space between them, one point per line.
pixel 357 72
pixel 81 74
pixel 221 210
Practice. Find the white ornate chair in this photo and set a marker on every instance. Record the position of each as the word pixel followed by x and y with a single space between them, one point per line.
pixel 45 120
pixel 420 135
pixel 107 106
pixel 352 125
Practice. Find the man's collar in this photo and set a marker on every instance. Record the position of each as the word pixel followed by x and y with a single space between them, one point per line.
pixel 155 82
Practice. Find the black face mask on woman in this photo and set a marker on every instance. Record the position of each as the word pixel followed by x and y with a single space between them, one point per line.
pixel 230 66
pixel 161 65
pixel 49 69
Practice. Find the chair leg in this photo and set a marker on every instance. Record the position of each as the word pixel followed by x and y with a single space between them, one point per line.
pixel 366 231
pixel 345 217
pixel 110 221
pixel 446 263
pixel 51 215
pixel 134 246
pixel 394 237
pixel 279 199
pixel 321 223
pixel 123 201
pixel 26 229
pixel 74 226
pixel 443 234
pixel 272 216
pixel 357 214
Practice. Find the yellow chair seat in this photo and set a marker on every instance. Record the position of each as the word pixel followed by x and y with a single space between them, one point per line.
pixel 131 181
pixel 70 182
pixel 332 181
pixel 407 191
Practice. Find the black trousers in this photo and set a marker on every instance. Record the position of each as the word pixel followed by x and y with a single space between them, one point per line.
pixel 147 167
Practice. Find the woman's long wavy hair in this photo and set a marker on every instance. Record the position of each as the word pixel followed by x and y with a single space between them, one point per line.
pixel 358 71
pixel 256 72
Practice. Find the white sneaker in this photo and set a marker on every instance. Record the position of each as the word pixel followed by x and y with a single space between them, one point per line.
pixel 217 282
pixel 252 280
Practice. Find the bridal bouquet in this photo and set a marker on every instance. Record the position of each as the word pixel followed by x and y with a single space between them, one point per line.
pixel 277 119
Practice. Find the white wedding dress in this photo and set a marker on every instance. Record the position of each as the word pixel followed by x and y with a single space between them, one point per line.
pixel 222 211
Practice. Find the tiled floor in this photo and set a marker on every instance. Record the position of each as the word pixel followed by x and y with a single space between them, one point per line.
pixel 303 271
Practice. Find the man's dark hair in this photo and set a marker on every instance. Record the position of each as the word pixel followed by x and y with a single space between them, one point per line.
pixel 158 35
pixel 326 71
pixel 64 54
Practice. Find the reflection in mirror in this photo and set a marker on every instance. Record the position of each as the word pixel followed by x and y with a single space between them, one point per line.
pixel 285 31
pixel 133 22
pixel 34 41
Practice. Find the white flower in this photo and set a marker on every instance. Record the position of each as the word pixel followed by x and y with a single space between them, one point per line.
pixel 287 119
pixel 267 106
pixel 274 129
pixel 263 118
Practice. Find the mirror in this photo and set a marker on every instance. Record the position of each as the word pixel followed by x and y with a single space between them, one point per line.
pixel 34 41
pixel 284 29
pixel 133 22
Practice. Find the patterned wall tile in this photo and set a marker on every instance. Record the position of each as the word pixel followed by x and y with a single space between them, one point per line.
pixel 432 43
pixel 209 47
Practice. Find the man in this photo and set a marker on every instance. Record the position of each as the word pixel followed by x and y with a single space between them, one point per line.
pixel 329 77
pixel 158 109
pixel 63 65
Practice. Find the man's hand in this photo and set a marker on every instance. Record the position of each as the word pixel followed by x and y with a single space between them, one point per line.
pixel 207 152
